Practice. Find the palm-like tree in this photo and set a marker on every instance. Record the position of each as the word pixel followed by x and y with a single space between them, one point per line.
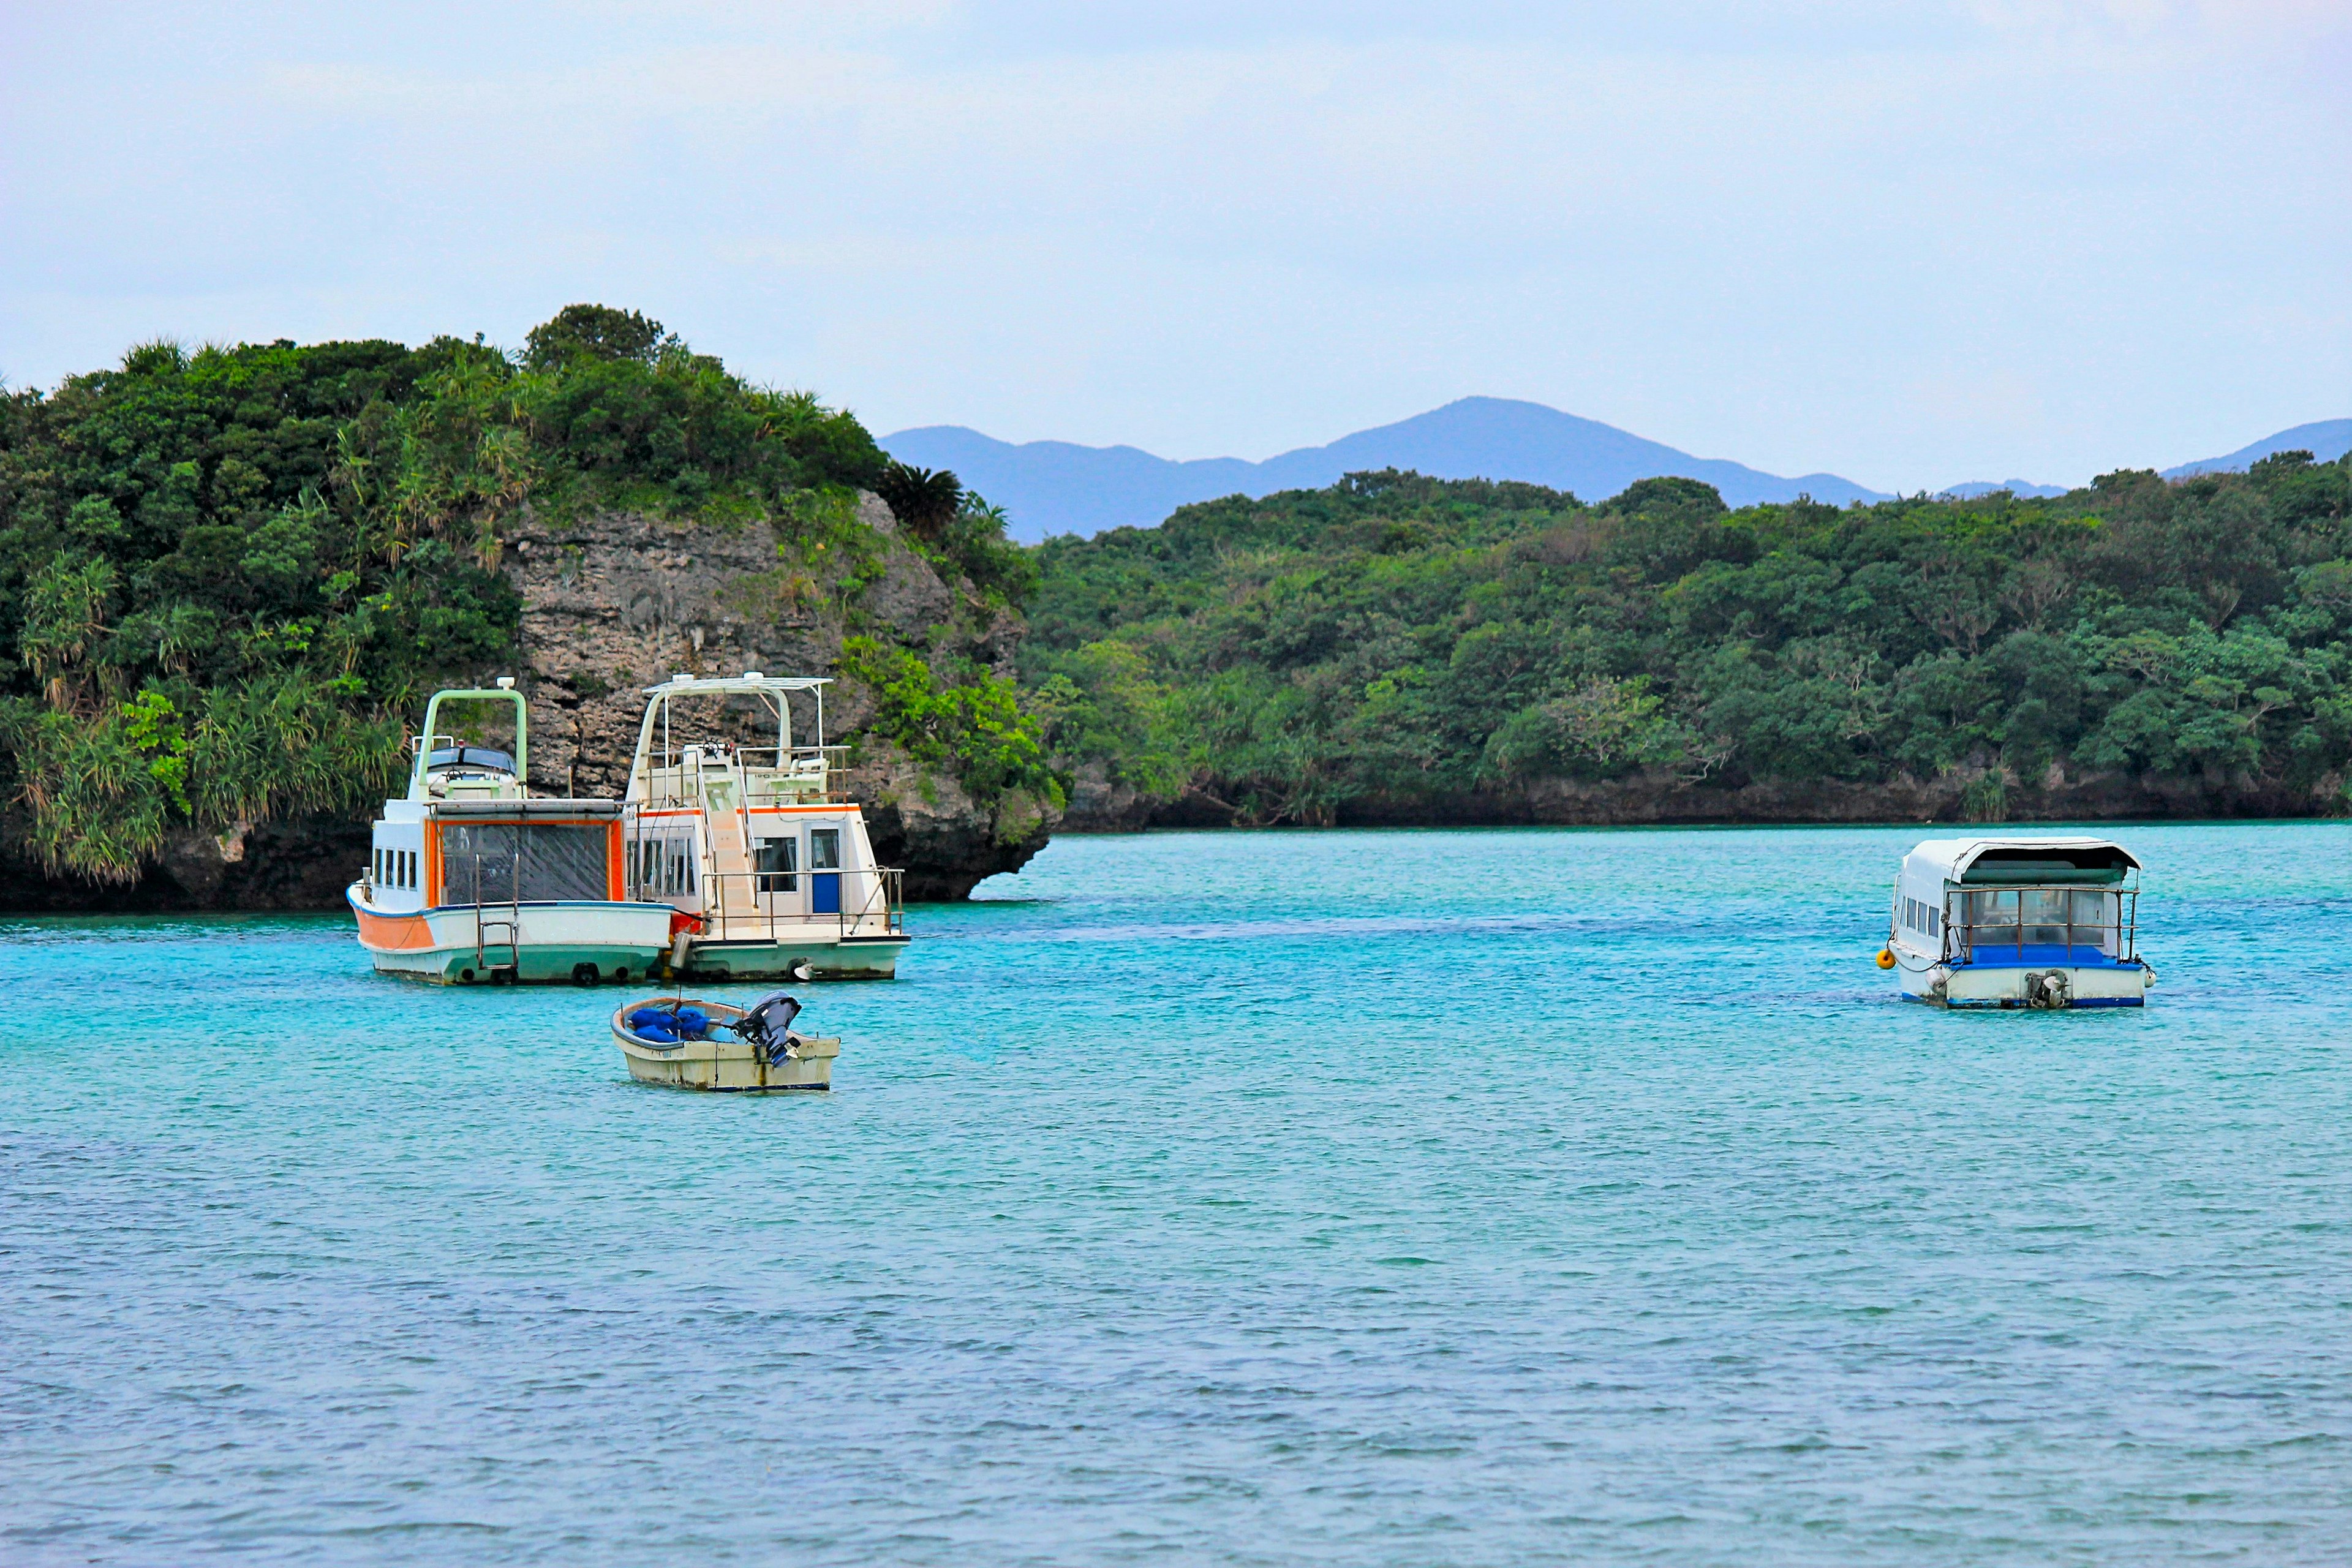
pixel 921 499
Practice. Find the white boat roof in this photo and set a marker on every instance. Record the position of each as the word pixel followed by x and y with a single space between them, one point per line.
pixel 1953 857
pixel 509 810
pixel 750 680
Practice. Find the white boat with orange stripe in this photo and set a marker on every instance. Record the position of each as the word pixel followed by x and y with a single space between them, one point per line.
pixel 472 880
pixel 739 829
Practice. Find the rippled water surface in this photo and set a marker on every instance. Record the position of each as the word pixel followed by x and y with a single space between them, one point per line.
pixel 1407 1198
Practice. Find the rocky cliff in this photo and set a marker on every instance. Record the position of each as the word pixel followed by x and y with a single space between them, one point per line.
pixel 1099 806
pixel 613 601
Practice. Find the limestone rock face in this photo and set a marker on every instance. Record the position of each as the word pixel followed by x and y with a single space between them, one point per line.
pixel 947 841
pixel 1101 805
pixel 613 602
pixel 618 601
pixel 302 863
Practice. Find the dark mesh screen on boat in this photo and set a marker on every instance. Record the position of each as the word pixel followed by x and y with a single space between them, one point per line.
pixel 531 862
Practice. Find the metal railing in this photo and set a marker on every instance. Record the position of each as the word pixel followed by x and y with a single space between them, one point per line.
pixel 889 890
pixel 2118 923
pixel 755 910
pixel 810 765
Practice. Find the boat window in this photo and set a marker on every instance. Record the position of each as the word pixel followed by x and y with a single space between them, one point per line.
pixel 408 860
pixel 2046 917
pixel 664 865
pixel 2098 920
pixel 1935 921
pixel 497 862
pixel 468 759
pixel 824 848
pixel 2043 911
pixel 1992 917
pixel 778 862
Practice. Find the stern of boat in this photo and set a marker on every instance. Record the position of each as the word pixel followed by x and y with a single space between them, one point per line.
pixel 583 944
pixel 2048 986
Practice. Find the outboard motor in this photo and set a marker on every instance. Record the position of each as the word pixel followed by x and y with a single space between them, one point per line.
pixel 767 1023
pixel 2048 992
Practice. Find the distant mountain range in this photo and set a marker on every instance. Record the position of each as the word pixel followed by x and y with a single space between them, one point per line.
pixel 2326 440
pixel 1053 486
pixel 1056 487
pixel 1976 487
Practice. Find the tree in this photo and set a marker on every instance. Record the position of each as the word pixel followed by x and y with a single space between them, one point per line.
pixel 923 501
pixel 595 332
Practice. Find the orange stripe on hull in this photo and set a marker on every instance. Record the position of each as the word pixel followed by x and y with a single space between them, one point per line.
pixel 394 933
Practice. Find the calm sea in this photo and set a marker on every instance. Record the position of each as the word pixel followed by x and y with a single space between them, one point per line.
pixel 1478 1198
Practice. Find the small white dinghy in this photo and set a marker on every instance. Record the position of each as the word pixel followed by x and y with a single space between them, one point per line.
pixel 685 1043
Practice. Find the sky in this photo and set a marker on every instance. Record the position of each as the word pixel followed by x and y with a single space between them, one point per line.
pixel 1911 244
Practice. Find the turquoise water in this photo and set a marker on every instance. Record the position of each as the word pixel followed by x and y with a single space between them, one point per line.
pixel 1408 1198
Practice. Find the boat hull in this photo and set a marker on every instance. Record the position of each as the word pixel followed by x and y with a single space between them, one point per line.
pixel 820 955
pixel 554 942
pixel 2057 982
pixel 724 1066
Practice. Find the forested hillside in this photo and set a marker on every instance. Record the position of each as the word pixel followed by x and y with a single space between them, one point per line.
pixel 229 576
pixel 1398 648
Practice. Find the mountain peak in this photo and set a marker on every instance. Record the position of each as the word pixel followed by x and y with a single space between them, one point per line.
pixel 1059 487
pixel 1056 487
pixel 2326 440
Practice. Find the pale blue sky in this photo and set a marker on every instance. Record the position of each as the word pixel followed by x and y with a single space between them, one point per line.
pixel 1911 244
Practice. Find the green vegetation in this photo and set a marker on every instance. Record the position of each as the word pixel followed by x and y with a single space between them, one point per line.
pixel 959 531
pixel 1398 646
pixel 970 723
pixel 228 576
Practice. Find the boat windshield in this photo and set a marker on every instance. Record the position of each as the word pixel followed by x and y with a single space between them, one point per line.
pixel 2021 918
pixel 452 759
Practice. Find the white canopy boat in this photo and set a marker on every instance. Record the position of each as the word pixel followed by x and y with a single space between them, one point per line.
pixel 472 880
pixel 2039 923
pixel 748 840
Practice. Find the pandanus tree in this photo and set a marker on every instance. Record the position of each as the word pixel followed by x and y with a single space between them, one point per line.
pixel 922 500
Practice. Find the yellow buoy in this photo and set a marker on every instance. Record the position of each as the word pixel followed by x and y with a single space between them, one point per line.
pixel 1885 958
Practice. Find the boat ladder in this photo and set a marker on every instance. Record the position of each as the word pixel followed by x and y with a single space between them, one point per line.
pixel 507 921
